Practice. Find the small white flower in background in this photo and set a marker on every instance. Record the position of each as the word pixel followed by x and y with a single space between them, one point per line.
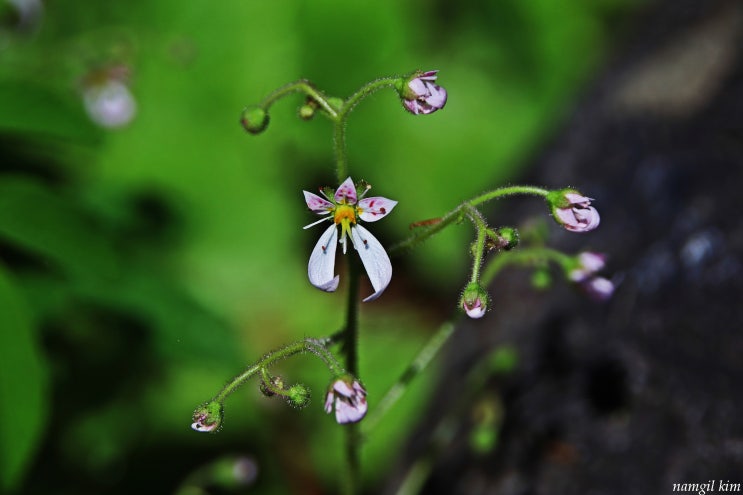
pixel 348 397
pixel 584 274
pixel 589 263
pixel 108 99
pixel 345 208
pixel 598 288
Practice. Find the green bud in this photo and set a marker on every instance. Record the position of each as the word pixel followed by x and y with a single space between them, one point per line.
pixel 298 396
pixel 306 112
pixel 254 119
pixel 509 237
pixel 208 417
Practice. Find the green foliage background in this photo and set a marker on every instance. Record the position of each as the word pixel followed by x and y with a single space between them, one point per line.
pixel 142 267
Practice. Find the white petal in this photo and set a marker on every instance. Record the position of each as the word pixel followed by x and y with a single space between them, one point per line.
pixel 375 260
pixel 348 413
pixel 342 388
pixel 372 209
pixel 322 261
pixel 329 402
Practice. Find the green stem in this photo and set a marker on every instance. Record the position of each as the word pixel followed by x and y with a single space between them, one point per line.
pixel 339 132
pixel 508 191
pixel 350 347
pixel 479 252
pixel 526 256
pixel 456 214
pixel 310 345
pixel 478 255
pixel 301 86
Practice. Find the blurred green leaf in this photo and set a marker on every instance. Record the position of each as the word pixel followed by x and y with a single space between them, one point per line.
pixel 23 386
pixel 51 226
pixel 31 109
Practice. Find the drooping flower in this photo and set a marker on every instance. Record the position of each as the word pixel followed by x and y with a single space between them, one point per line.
pixel 348 397
pixel 474 300
pixel 573 210
pixel 421 95
pixel 345 208
pixel 208 417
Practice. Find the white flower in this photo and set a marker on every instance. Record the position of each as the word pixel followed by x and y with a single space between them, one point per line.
pixel 345 208
pixel 348 397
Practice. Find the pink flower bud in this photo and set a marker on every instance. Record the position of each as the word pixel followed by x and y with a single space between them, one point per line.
pixel 474 300
pixel 208 417
pixel 421 95
pixel 348 397
pixel 573 211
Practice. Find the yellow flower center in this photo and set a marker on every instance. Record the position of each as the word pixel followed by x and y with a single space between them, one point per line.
pixel 345 215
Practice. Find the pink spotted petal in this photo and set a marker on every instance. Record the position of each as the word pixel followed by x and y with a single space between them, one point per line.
pixel 346 193
pixel 374 208
pixel 319 205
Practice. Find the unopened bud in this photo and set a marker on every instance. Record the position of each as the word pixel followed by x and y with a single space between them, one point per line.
pixel 474 300
pixel 573 210
pixel 306 112
pixel 298 396
pixel 254 119
pixel 208 417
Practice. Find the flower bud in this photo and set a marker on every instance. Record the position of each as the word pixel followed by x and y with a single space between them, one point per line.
pixel 348 397
pixel 306 112
pixel 419 93
pixel 208 417
pixel 254 119
pixel 505 238
pixel 474 300
pixel 588 264
pixel 298 396
pixel 573 211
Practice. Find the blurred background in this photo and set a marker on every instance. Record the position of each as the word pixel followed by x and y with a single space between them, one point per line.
pixel 150 249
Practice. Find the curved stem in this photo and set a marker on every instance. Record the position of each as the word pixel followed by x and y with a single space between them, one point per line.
pixel 339 132
pixel 508 191
pixel 311 345
pixel 302 86
pixel 455 214
pixel 524 256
